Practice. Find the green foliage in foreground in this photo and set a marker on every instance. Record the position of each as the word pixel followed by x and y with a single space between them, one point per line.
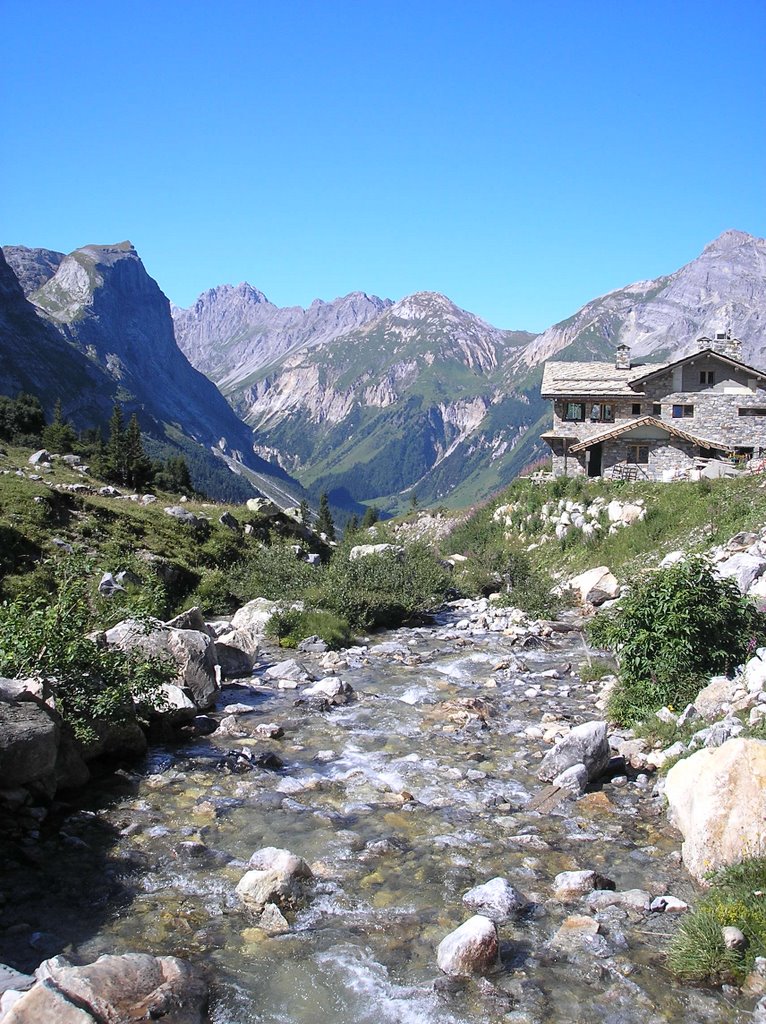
pixel 737 897
pixel 92 682
pixel 677 626
pixel 290 626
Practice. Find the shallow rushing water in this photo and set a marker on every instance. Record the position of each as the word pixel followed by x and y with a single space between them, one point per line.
pixel 401 802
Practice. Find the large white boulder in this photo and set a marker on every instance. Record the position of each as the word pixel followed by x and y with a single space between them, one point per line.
pixel 743 568
pixel 717 800
pixel 192 651
pixel 365 550
pixel 595 586
pixel 471 949
pixel 275 876
pixel 495 899
pixel 253 616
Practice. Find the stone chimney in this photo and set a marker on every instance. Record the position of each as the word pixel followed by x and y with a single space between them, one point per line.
pixel 622 358
pixel 726 345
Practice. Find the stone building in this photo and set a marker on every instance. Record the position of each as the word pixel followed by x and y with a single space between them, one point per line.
pixel 655 420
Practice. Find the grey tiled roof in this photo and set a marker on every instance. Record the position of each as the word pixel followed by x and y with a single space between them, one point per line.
pixel 591 380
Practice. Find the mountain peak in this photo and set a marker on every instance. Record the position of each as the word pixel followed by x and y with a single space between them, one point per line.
pixel 730 239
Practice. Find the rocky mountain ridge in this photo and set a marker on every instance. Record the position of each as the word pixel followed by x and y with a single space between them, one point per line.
pixel 100 321
pixel 724 288
pixel 231 333
pixel 425 396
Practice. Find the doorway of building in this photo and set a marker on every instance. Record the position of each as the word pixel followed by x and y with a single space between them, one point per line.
pixel 594 462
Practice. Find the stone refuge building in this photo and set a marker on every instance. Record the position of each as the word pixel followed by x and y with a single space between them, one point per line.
pixel 654 421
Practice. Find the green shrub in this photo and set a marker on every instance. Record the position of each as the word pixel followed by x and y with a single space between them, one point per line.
pixel 737 897
pixel 213 594
pixel 92 682
pixel 275 573
pixel 290 626
pixel 675 627
pixel 527 587
pixel 385 589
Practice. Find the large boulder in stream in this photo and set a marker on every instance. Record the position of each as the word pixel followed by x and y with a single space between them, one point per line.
pixel 114 989
pixel 586 744
pixel 717 799
pixel 192 651
pixel 275 876
pixel 472 948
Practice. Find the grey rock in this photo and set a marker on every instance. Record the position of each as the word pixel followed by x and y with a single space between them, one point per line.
pixel 230 522
pixel 586 744
pixel 743 568
pixel 183 515
pixel 568 885
pixel 134 986
pixel 29 742
pixel 192 651
pixel 574 780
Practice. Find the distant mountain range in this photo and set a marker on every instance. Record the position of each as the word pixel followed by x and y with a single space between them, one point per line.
pixel 371 400
pixel 375 401
pixel 91 328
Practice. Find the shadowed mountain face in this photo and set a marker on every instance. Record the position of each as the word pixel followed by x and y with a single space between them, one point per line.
pixel 98 329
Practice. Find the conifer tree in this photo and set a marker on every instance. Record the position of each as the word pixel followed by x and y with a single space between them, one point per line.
pixel 137 466
pixel 305 511
pixel 370 517
pixel 58 435
pixel 116 466
pixel 325 523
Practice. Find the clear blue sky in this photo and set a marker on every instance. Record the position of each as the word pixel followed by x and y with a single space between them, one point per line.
pixel 520 157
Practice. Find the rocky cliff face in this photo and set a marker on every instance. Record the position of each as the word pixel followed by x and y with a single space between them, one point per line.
pixel 104 315
pixel 723 288
pixel 402 403
pixel 32 267
pixel 231 333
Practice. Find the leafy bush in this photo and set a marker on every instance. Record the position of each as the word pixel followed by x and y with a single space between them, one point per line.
pixel 213 593
pixel 675 627
pixel 92 682
pixel 291 625
pixel 385 589
pixel 275 573
pixel 737 897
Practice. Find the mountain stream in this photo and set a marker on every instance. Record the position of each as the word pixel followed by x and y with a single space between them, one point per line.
pixel 401 801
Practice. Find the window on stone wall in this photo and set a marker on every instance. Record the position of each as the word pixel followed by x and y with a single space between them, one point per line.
pixel 636 409
pixel 707 377
pixel 638 454
pixel 602 412
pixel 574 411
pixel 656 409
pixel 682 411
pixel 752 410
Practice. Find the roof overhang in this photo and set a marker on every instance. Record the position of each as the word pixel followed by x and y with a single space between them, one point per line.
pixel 639 425
pixel 706 353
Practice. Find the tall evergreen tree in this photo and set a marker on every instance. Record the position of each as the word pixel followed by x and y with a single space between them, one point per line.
pixel 59 435
pixel 305 511
pixel 138 467
pixel 370 517
pixel 325 523
pixel 116 465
